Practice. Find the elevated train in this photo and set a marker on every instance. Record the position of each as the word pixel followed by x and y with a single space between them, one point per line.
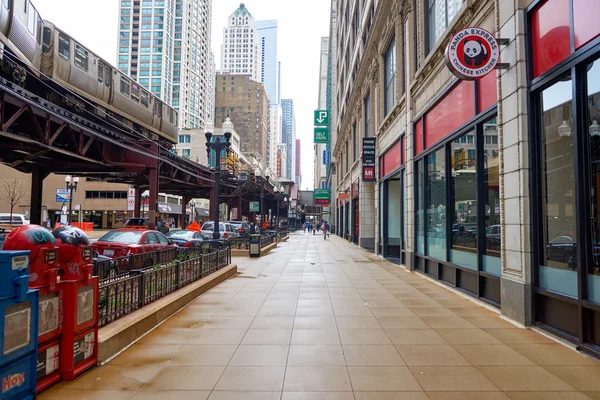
pixel 41 46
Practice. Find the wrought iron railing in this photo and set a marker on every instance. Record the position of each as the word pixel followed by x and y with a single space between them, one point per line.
pixel 123 294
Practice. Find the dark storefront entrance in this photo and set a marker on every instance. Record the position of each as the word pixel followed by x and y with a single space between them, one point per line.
pixel 565 160
pixel 355 215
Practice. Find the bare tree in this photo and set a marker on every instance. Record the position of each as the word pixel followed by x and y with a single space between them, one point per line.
pixel 12 191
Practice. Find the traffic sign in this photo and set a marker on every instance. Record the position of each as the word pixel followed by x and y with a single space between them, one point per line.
pixel 326 157
pixel 63 195
pixel 321 118
pixel 321 135
pixel 321 194
pixel 324 185
pixel 254 207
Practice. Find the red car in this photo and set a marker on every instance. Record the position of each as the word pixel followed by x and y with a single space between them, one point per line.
pixel 124 242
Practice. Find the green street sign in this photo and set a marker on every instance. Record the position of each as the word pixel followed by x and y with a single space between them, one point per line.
pixel 321 135
pixel 254 206
pixel 321 194
pixel 321 118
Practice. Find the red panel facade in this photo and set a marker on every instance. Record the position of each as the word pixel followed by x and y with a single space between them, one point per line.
pixel 551 35
pixel 418 136
pixel 453 111
pixel 585 16
pixel 403 150
pixel 391 159
pixel 488 91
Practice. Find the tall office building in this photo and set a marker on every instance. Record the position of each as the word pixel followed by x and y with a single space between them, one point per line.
pixel 298 177
pixel 320 168
pixel 165 46
pixel 240 52
pixel 288 134
pixel 267 36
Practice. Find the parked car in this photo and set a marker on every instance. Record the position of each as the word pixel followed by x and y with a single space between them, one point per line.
pixel 17 219
pixel 142 223
pixel 243 227
pixel 226 230
pixel 124 242
pixel 561 249
pixel 183 238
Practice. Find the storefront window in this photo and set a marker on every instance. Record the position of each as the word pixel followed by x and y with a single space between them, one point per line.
pixel 420 209
pixel 593 90
pixel 558 269
pixel 393 217
pixel 435 196
pixel 464 195
pixel 491 181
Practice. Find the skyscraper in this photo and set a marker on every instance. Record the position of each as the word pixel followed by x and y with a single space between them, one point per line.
pixel 240 53
pixel 288 136
pixel 320 168
pixel 298 177
pixel 267 36
pixel 165 46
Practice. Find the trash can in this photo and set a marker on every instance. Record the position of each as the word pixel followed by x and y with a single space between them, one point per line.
pixel 254 246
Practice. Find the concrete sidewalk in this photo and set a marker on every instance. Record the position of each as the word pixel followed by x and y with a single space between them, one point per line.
pixel 325 320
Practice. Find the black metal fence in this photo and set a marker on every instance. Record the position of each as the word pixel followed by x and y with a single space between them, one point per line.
pixel 268 239
pixel 133 289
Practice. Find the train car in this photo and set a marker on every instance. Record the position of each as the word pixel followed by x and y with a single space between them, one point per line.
pixel 42 46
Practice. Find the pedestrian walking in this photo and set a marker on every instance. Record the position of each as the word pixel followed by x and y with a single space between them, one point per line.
pixel 325 229
pixel 314 228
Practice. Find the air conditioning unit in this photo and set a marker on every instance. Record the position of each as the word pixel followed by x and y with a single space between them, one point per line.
pixel 243 176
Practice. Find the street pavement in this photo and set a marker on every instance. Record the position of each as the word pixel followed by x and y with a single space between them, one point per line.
pixel 326 320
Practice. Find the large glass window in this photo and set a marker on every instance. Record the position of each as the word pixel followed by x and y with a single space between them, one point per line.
pixel 420 208
pixel 440 14
pixel 435 197
pixel 491 183
pixel 390 78
pixel 593 134
pixel 557 270
pixel 393 217
pixel 463 184
pixel 368 116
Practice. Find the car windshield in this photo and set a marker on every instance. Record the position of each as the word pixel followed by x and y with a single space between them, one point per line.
pixel 127 237
pixel 180 234
pixel 135 222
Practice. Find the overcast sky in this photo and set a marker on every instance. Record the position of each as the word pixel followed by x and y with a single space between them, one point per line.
pixel 301 26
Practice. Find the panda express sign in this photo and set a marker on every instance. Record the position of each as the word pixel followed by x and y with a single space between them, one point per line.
pixel 472 53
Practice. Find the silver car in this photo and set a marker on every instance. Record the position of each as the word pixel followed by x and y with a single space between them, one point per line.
pixel 226 230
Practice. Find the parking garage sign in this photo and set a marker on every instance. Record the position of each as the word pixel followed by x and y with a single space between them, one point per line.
pixel 63 195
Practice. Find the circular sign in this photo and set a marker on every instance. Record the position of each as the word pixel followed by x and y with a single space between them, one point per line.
pixel 472 53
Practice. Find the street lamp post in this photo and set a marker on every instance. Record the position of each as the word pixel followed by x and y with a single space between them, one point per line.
pixel 192 211
pixel 257 173
pixel 278 192
pixel 217 146
pixel 71 187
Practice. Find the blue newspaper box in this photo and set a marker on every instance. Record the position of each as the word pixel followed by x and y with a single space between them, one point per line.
pixel 18 327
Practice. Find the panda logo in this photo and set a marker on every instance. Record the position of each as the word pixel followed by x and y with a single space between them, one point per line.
pixel 475 54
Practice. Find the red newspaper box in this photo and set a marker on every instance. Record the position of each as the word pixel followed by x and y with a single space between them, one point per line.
pixel 78 350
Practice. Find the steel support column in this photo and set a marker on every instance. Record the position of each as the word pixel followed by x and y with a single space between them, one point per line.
pixel 211 207
pixel 138 198
pixel 184 202
pixel 152 197
pixel 35 202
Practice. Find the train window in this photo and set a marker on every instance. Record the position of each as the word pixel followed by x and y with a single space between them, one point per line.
pixel 171 115
pixel 64 46
pixel 46 40
pixel 39 27
pixel 100 71
pixel 30 19
pixel 144 98
pixel 81 57
pixel 107 80
pixel 135 92
pixel 7 4
pixel 124 86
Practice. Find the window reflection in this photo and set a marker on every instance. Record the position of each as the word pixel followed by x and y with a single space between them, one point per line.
pixel 558 190
pixel 464 195
pixel 435 198
pixel 593 134
pixel 491 176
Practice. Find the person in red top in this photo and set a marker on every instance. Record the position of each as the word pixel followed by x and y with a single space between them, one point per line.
pixel 265 225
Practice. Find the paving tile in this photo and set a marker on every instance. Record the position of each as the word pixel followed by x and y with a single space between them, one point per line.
pixel 438 379
pixel 472 311
pixel 314 312
pixel 260 356
pixel 364 336
pixel 218 336
pixel 251 379
pixel 272 323
pixel 313 355
pixel 176 394
pixel 245 395
pixel 228 323
pixel 363 311
pixel 77 394
pixel 315 336
pixel 402 323
pixel 554 354
pixel 430 355
pixel 188 378
pixel 163 335
pixel 547 396
pixel 390 396
pixel 496 354
pixel 357 323
pixel 365 379
pixel 583 378
pixel 467 336
pixel 314 323
pixel 267 336
pixel 319 378
pixel 414 336
pixel 518 336
pixel 392 312
pixel 467 396
pixel 448 323
pixel 317 396
pixel 196 354
pixel 432 312
pixel 521 378
pixel 492 322
pixel 372 355
pixel 117 377
pixel 146 354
